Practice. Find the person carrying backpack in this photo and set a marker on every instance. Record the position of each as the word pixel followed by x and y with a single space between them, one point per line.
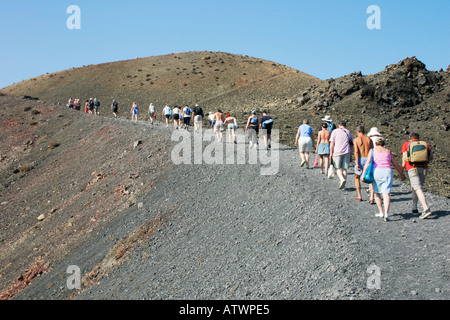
pixel 265 127
pixel 416 155
pixel 114 108
pixel 91 106
pixel 198 117
pixel 187 112
pixel 96 106
pixel 252 128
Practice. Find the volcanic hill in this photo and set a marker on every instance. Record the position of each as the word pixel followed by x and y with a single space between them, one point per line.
pixel 404 97
pixel 209 78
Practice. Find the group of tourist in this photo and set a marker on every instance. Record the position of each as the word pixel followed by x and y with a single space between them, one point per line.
pixel 335 146
pixel 91 106
pixel 334 149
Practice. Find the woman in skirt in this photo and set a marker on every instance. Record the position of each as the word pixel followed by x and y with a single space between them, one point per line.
pixel 383 176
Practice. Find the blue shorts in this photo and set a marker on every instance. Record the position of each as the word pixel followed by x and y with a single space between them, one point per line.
pixel 362 163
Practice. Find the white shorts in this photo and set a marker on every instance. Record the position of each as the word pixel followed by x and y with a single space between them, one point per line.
pixel 305 144
pixel 218 126
pixel 198 119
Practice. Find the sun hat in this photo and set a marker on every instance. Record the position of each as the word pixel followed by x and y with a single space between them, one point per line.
pixel 373 132
pixel 327 118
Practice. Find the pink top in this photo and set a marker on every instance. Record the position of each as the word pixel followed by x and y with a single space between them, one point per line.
pixel 382 160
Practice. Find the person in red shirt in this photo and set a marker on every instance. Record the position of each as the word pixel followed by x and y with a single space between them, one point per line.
pixel 417 174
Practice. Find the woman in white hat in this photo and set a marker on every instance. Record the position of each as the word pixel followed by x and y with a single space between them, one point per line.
pixel 374 135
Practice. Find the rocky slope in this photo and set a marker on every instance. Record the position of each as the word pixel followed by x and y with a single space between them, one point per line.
pixel 64 174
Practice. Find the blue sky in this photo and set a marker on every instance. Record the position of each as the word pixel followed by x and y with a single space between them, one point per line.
pixel 324 38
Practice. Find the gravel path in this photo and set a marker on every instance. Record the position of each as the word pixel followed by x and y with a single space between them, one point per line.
pixel 228 232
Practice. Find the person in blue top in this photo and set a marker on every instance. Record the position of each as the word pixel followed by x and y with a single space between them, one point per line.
pixel 304 140
pixel 134 112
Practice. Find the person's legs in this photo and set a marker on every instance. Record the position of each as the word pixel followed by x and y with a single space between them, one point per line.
pixel 321 163
pixel 379 205
pixel 302 158
pixel 327 163
pixel 417 179
pixel 358 186
pixel 372 194
pixel 421 197
pixel 387 204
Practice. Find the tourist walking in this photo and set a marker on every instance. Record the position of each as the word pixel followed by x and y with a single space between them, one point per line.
pixel 323 148
pixel 198 117
pixel 231 123
pixel 96 107
pixel 77 104
pixel 187 113
pixel 304 140
pixel 382 176
pixel 134 111
pixel 330 127
pixel 167 114
pixel 211 117
pixel 265 128
pixel 361 147
pixel 70 103
pixel 218 125
pixel 91 106
pixel 374 135
pixel 151 113
pixel 341 144
pixel 114 108
pixel 176 117
pixel 252 128
pixel 417 170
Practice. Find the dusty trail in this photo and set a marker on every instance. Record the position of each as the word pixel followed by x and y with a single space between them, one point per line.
pixel 227 232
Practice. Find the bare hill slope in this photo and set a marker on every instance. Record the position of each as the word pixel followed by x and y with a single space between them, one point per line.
pixel 185 78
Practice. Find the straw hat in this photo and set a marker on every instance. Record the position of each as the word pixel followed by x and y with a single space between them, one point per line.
pixel 327 119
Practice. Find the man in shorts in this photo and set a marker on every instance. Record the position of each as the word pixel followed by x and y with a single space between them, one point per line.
pixel 218 126
pixel 167 114
pixel 361 147
pixel 198 117
pixel 417 174
pixel 341 143
pixel 304 140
